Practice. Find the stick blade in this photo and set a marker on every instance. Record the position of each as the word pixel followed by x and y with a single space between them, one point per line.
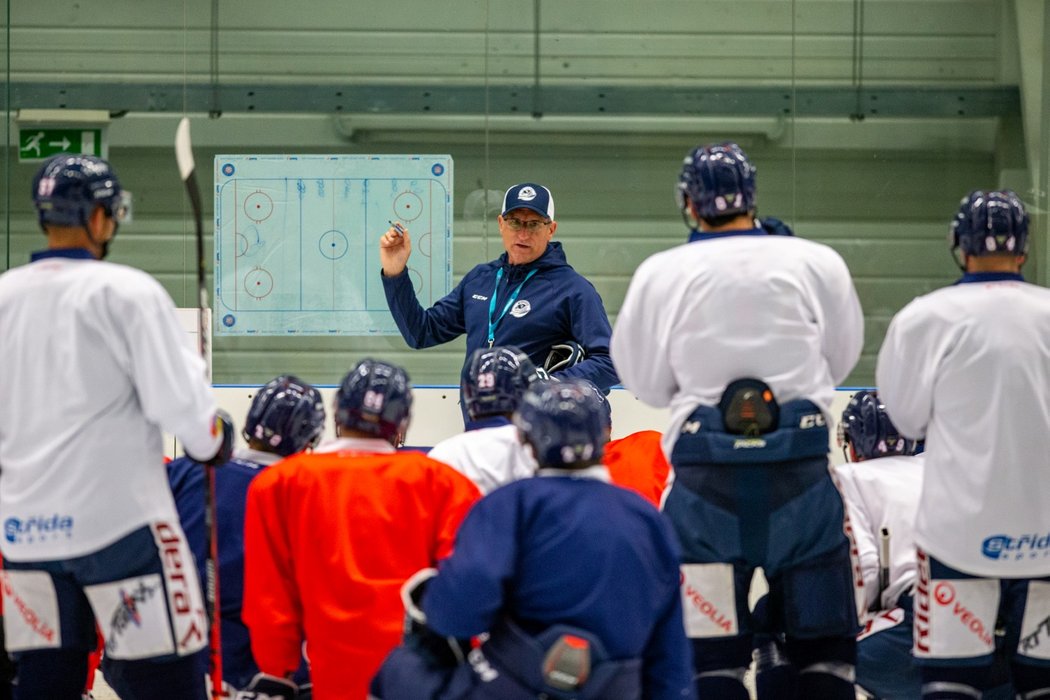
pixel 183 150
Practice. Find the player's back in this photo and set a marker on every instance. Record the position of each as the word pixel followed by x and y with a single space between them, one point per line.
pixel 587 554
pixel 359 524
pixel 701 315
pixel 986 415
pixel 88 352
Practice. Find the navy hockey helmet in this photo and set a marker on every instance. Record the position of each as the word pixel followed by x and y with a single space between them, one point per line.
pixel 603 401
pixel 375 397
pixel 867 428
pixel 989 223
pixel 286 415
pixel 719 180
pixel 67 188
pixel 494 379
pixel 563 423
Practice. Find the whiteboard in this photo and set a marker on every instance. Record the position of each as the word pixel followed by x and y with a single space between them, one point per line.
pixel 297 239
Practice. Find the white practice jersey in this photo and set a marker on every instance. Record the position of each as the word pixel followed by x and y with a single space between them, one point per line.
pixel 490 457
pixel 883 493
pixel 700 315
pixel 95 365
pixel 968 367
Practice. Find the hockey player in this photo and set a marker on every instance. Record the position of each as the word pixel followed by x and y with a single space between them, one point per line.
pixel 286 417
pixel 529 297
pixel 745 335
pixel 576 581
pixel 880 485
pixel 96 366
pixel 966 368
pixel 331 535
pixel 489 453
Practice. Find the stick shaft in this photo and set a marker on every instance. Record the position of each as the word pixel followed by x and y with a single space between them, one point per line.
pixel 187 171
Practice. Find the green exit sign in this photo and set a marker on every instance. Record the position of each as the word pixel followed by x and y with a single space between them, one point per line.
pixel 40 143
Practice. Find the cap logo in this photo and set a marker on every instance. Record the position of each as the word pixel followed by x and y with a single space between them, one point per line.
pixel 526 194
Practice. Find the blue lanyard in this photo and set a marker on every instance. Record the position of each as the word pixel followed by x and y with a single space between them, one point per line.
pixel 506 307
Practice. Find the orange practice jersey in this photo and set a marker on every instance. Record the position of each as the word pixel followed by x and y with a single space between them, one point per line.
pixel 330 537
pixel 637 462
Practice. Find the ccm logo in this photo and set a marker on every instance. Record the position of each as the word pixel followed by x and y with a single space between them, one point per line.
pixel 813 420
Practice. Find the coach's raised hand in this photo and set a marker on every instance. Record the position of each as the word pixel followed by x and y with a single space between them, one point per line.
pixel 394 248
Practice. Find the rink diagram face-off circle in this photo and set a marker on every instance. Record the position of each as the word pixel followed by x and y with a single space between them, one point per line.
pixel 333 244
pixel 258 206
pixel 258 283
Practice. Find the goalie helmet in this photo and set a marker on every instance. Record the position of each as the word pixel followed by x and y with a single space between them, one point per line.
pixel 494 379
pixel 286 415
pixel 719 180
pixel 375 397
pixel 67 188
pixel 563 423
pixel 989 223
pixel 867 430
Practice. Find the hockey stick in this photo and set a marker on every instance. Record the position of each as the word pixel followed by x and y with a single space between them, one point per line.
pixel 184 157
pixel 884 561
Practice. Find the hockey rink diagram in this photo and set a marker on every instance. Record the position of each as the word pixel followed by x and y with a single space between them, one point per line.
pixel 297 239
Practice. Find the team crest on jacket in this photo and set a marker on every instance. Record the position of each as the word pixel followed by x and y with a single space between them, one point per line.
pixel 520 308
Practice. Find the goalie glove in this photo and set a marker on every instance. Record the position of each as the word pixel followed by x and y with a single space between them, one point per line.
pixel 564 355
pixel 267 687
pixel 438 650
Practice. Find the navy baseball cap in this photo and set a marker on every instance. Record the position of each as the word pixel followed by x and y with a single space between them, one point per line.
pixel 529 195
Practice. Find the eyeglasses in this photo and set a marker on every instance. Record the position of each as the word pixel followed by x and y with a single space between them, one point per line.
pixel 531 226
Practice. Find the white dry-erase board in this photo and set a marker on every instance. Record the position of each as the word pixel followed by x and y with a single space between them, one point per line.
pixel 297 239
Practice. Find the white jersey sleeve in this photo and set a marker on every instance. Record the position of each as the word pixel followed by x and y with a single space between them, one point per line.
pixel 638 347
pixel 169 377
pixel 904 377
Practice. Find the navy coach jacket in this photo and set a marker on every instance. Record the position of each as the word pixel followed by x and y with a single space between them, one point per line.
pixel 553 303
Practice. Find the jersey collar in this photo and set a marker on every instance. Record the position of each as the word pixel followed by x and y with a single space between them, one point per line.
pixel 710 235
pixel 72 253
pixel 971 277
pixel 487 422
pixel 347 444
pixel 596 472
